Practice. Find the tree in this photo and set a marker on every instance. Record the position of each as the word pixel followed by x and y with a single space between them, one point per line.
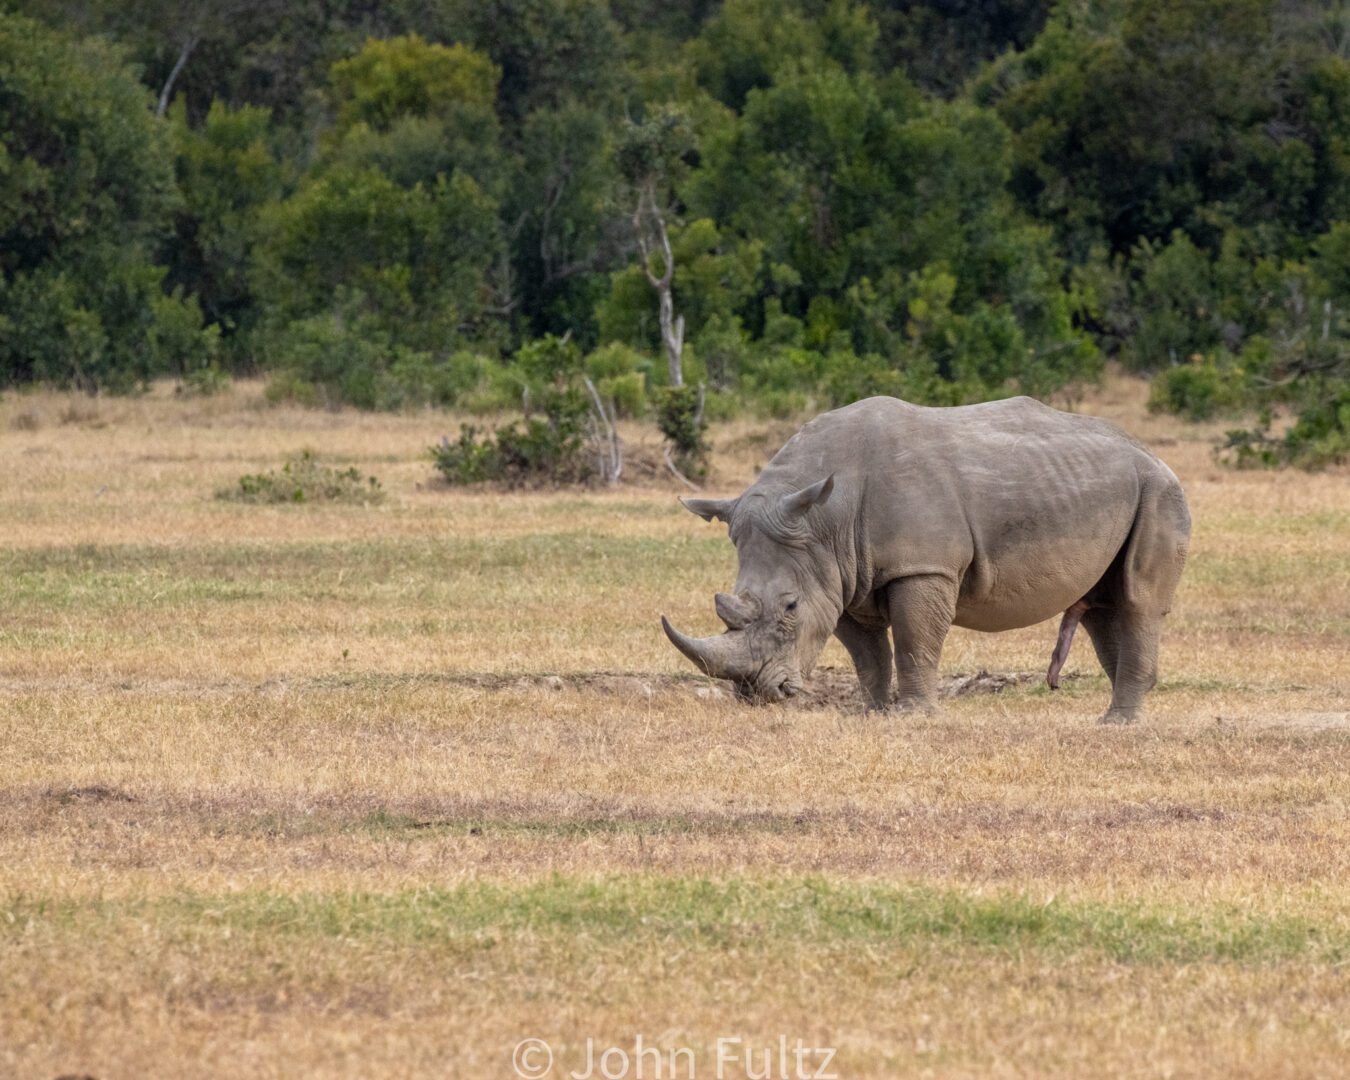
pixel 1193 116
pixel 942 43
pixel 86 188
pixel 393 238
pixel 649 157
pixel 549 52
pixel 892 236
pixel 227 172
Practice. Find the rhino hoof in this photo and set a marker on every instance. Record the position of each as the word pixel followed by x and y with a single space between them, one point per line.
pixel 1121 716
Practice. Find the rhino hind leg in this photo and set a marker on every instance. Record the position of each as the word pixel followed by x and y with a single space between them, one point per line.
pixel 870 649
pixel 1126 617
pixel 1127 646
pixel 921 611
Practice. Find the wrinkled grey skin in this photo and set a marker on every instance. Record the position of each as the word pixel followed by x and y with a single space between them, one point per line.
pixel 884 520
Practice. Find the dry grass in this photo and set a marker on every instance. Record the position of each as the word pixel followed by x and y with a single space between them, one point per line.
pixel 287 790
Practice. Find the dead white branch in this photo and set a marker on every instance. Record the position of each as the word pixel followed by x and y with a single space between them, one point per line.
pixel 609 449
pixel 189 43
pixel 679 475
pixel 672 328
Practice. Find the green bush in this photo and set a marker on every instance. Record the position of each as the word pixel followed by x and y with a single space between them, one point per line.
pixel 849 378
pixel 535 451
pixel 329 360
pixel 498 390
pixel 1318 438
pixel 1198 391
pixel 334 362
pixel 679 415
pixel 620 377
pixel 404 270
pixel 628 393
pixel 470 459
pixel 205 381
pixel 305 480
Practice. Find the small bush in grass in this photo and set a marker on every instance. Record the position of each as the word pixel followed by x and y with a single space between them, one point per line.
pixel 470 459
pixel 205 381
pixel 548 449
pixel 1319 437
pixel 679 415
pixel 305 480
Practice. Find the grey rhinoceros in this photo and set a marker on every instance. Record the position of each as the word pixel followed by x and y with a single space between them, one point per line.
pixel 886 516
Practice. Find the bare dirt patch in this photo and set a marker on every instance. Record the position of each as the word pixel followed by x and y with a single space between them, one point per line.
pixel 91 793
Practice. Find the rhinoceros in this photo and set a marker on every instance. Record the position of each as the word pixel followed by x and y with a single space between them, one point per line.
pixel 884 519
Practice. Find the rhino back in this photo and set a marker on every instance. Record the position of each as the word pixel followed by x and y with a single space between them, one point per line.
pixel 1025 505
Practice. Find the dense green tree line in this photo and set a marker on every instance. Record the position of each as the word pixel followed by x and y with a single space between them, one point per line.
pixel 388 203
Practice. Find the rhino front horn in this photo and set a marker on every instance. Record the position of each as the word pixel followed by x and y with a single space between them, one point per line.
pixel 721 657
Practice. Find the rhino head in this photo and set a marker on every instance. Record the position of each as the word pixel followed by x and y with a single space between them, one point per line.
pixel 786 600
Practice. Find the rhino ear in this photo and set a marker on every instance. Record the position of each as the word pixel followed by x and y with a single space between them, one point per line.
pixel 801 501
pixel 708 509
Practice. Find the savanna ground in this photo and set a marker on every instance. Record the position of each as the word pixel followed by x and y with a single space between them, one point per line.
pixel 289 790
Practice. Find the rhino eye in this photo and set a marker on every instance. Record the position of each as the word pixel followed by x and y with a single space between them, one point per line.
pixel 792 605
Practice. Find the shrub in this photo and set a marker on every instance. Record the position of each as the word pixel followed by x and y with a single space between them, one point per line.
pixel 628 394
pixel 470 459
pixel 328 360
pixel 204 381
pixel 679 415
pixel 849 377
pixel 537 450
pixel 619 374
pixel 1197 391
pixel 1319 437
pixel 401 271
pixel 305 480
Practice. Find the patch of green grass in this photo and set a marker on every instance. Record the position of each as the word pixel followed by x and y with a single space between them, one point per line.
pixel 114 577
pixel 1264 570
pixel 742 913
pixel 1310 523
pixel 610 509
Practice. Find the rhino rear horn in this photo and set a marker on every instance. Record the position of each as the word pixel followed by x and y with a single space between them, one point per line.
pixel 737 612
pixel 722 657
pixel 800 501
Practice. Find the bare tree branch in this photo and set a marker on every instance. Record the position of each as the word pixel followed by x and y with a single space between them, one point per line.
pixel 189 43
pixel 609 449
pixel 679 475
pixel 672 329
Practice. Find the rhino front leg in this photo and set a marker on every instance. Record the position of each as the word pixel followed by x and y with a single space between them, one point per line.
pixel 870 648
pixel 921 611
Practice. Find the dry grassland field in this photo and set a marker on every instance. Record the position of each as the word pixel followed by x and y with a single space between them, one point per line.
pixel 342 790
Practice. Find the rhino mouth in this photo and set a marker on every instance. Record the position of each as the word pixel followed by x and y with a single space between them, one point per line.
pixel 727 656
pixel 754 693
pixel 771 692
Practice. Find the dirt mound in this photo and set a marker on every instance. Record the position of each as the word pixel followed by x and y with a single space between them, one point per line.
pixel 827 688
